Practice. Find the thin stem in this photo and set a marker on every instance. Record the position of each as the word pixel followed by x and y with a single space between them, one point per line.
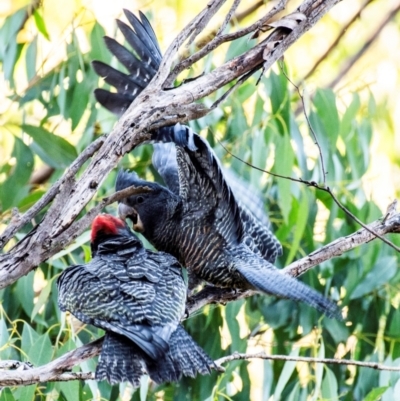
pixel 321 157
pixel 343 31
pixel 348 362
pixel 321 188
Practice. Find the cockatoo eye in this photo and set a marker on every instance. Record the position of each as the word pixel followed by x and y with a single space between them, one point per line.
pixel 140 199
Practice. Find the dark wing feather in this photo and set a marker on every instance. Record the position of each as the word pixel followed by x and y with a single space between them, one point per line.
pixel 164 161
pixel 118 79
pixel 114 102
pixel 247 196
pixel 147 37
pixel 258 237
pixel 137 43
pixel 138 74
pixel 201 183
pixel 150 32
pixel 142 65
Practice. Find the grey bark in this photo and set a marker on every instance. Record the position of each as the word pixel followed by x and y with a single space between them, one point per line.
pixel 154 107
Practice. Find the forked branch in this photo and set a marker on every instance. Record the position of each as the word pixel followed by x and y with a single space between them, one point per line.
pixel 154 106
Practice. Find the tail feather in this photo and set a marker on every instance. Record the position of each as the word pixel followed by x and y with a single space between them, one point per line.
pixel 185 358
pixel 119 361
pixel 268 279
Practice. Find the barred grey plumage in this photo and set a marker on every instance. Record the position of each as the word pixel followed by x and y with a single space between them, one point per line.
pixel 197 218
pixel 203 226
pixel 141 69
pixel 138 297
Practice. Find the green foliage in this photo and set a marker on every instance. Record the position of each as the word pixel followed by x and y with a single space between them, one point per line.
pixel 258 124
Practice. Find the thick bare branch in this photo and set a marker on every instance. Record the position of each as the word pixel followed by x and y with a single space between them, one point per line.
pixel 55 370
pixel 152 106
pixel 20 221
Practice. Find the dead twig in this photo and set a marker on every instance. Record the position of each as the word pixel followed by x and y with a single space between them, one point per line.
pixel 348 362
pixel 57 369
pixel 342 33
pixel 367 44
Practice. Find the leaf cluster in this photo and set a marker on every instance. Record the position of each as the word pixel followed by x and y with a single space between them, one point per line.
pixel 258 124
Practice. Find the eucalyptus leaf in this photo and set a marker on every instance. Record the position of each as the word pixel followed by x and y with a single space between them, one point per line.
pixel 53 149
pixel 381 273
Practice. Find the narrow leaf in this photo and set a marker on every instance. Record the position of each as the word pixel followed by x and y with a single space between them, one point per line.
pixel 40 24
pixel 284 159
pixel 376 394
pixel 380 274
pixel 51 148
pixel 285 375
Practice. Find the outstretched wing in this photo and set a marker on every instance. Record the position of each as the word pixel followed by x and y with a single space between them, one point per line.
pixel 257 234
pixel 141 69
pixel 258 237
pixel 207 198
pixel 142 65
pixel 247 196
pixel 164 161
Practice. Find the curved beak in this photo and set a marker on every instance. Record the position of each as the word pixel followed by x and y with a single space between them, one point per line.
pixel 128 212
pixel 125 211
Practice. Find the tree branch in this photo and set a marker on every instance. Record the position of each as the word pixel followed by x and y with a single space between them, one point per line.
pixel 342 33
pixel 375 34
pixel 57 369
pixel 219 39
pixel 58 240
pixel 349 362
pixel 19 221
pixel 390 223
pixel 321 188
pixel 153 106
pixel 314 135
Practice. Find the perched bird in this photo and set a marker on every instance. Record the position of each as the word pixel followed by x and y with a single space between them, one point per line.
pixel 197 218
pixel 138 297
pixel 203 227
pixel 142 67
